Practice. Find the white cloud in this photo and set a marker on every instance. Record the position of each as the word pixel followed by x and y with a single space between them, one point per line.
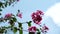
pixel 54 12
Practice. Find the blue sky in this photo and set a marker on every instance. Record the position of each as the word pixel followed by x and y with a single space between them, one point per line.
pixel 29 6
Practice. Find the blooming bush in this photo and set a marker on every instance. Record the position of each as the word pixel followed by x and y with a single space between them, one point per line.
pixel 11 19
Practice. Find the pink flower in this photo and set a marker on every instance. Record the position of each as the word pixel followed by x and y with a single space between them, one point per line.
pixel 32 29
pixel 39 12
pixel 8 15
pixel 36 17
pixel 44 29
pixel 19 15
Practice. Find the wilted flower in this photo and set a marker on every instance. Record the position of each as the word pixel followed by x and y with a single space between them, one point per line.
pixel 32 29
pixel 36 16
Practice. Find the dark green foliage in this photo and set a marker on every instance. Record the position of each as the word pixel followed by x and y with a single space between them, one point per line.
pixel 20 27
pixel 20 31
pixel 0 13
pixel 6 4
pixel 31 32
pixel 2 30
pixel 20 24
pixel 15 29
pixel 1 19
pixel 0 9
pixel 38 31
pixel 29 23
pixel 14 19
pixel 11 22
pixel 1 4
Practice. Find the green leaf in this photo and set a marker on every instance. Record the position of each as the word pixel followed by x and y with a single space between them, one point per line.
pixel 29 23
pixel 2 30
pixel 20 24
pixel 15 29
pixel 10 0
pixel 11 22
pixel 0 9
pixel 0 13
pixel 9 3
pixel 6 4
pixel 37 29
pixel 38 32
pixel 1 19
pixel 14 19
pixel 5 31
pixel 13 0
pixel 1 4
pixel 31 32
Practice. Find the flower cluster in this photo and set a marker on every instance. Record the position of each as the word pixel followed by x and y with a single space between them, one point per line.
pixel 9 15
pixel 37 16
pixel 12 20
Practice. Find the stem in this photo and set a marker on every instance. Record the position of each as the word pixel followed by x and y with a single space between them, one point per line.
pixel 20 31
